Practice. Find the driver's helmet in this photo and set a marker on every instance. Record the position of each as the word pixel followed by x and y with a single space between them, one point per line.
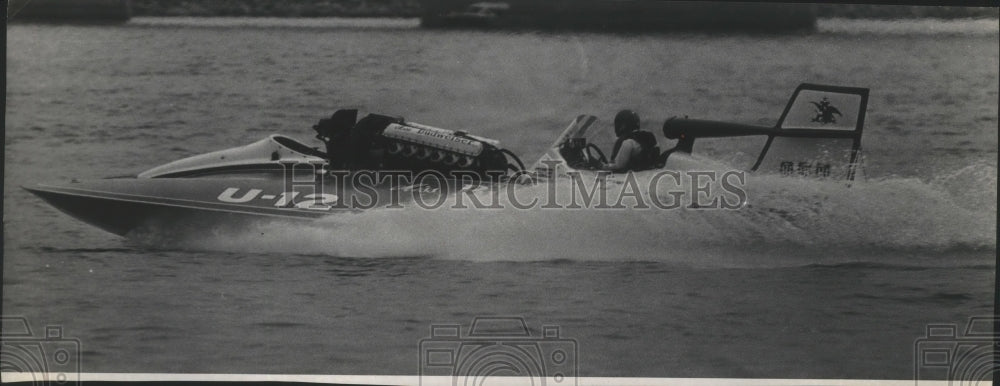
pixel 626 121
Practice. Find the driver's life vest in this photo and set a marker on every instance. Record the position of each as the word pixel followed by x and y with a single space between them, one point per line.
pixel 648 154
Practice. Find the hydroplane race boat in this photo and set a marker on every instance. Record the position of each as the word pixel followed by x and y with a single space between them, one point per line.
pixel 388 161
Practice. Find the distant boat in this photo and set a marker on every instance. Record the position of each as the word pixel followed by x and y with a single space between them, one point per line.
pixel 482 14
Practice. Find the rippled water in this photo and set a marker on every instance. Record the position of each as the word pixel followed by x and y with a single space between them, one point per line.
pixel 819 280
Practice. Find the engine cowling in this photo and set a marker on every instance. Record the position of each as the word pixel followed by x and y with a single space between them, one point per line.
pixel 412 145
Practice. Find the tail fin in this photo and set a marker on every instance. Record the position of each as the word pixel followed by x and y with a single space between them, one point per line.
pixel 818 134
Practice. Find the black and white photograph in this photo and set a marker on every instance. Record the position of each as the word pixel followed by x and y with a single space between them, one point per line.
pixel 499 192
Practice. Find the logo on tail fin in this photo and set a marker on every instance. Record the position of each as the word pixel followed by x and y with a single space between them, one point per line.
pixel 825 112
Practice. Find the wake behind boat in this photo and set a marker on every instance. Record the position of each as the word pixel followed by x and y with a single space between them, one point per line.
pixel 383 161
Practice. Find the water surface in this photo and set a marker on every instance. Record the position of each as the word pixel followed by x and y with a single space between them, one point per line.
pixel 819 281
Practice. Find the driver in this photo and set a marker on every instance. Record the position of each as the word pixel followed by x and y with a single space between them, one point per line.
pixel 635 149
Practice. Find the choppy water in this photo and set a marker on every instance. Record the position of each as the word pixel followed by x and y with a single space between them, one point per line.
pixel 815 280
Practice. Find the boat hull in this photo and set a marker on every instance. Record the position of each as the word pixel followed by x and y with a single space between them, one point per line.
pixel 122 205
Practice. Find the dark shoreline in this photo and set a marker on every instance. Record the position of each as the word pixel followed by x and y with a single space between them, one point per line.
pixel 289 8
pixel 639 15
pixel 890 12
pixel 413 8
